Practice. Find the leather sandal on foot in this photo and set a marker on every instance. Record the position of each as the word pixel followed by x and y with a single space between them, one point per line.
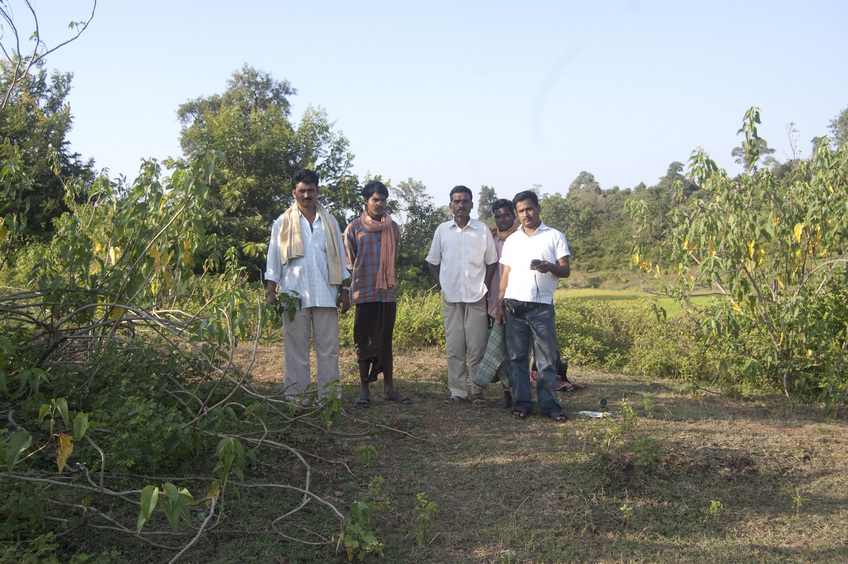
pixel 398 397
pixel 456 399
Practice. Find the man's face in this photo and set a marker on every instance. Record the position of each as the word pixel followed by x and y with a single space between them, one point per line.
pixel 504 219
pixel 528 214
pixel 306 196
pixel 375 206
pixel 461 206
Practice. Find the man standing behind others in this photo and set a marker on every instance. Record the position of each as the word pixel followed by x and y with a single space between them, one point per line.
pixel 505 226
pixel 306 255
pixel 462 261
pixel 371 244
pixel 526 305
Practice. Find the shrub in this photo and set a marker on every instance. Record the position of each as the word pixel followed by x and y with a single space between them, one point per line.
pixel 593 333
pixel 774 248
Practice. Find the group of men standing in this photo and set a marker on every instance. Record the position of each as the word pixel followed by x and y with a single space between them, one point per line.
pixel 308 256
pixel 519 267
pixel 482 274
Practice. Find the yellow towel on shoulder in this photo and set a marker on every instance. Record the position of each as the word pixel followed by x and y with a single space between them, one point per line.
pixel 290 240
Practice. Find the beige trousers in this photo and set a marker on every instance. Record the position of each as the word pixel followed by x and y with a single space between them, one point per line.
pixel 319 325
pixel 466 335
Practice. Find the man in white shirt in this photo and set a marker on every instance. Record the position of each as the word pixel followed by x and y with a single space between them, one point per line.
pixel 534 258
pixel 462 261
pixel 306 255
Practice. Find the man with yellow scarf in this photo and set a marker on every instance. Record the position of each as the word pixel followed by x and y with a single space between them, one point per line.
pixel 306 257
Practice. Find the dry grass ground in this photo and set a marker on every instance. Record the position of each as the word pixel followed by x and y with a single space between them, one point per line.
pixel 682 479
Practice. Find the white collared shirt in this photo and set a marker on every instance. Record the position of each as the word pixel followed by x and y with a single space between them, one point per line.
pixel 462 253
pixel 308 275
pixel 519 249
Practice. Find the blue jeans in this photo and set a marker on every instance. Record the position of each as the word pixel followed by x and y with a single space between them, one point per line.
pixel 534 327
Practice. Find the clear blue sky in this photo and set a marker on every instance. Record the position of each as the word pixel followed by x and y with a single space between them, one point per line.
pixel 504 94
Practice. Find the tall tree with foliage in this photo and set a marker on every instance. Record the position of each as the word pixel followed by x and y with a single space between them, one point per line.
pixel 839 128
pixel 250 124
pixel 777 258
pixel 592 220
pixel 34 121
pixel 418 218
pixel 485 200
pixel 34 124
pixel 746 159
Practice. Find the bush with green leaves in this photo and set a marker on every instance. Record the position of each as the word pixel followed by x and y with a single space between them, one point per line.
pixel 593 333
pixel 112 340
pixel 775 250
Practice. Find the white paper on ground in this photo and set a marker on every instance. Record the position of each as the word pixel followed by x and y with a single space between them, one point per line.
pixel 596 414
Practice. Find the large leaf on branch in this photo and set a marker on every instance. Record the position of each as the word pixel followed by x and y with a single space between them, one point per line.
pixel 80 425
pixel 19 442
pixel 149 500
pixel 175 503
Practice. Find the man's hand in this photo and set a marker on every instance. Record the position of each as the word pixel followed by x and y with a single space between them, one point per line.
pixel 343 301
pixel 561 269
pixel 500 317
pixel 271 294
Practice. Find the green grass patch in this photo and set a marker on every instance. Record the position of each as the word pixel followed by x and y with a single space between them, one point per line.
pixel 634 298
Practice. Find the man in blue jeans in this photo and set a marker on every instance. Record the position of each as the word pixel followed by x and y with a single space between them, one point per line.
pixel 534 258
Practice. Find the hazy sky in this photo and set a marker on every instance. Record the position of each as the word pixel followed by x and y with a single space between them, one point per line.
pixel 504 94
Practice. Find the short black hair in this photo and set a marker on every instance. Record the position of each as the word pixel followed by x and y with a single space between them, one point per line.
pixel 306 176
pixel 462 188
pixel 503 203
pixel 374 186
pixel 526 195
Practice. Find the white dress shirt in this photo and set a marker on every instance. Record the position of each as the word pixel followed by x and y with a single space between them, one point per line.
pixel 307 275
pixel 462 253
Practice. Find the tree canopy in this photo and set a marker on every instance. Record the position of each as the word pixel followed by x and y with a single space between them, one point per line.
pixel 484 203
pixel 34 124
pixel 839 128
pixel 250 125
pixel 418 217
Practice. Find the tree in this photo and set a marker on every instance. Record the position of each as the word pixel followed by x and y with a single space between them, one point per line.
pixel 485 200
pixel 250 125
pixel 739 155
pixel 839 128
pixel 777 260
pixel 34 121
pixel 584 181
pixel 594 224
pixel 34 124
pixel 418 218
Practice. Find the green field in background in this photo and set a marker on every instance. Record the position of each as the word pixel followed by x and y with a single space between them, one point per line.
pixel 632 297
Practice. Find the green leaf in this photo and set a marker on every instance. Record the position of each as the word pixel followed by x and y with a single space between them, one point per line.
pixel 149 499
pixel 80 425
pixel 62 405
pixel 19 442
pixel 186 496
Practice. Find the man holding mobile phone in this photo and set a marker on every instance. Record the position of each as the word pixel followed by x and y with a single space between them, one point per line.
pixel 526 306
